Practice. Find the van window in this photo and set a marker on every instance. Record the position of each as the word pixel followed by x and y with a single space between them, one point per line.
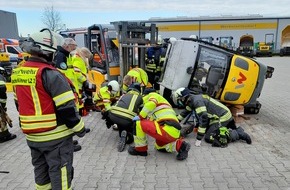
pixel 11 49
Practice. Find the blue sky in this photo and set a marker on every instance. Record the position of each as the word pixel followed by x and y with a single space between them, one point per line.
pixel 83 13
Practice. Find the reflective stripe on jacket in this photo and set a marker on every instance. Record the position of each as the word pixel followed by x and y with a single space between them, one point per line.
pixel 128 105
pixel 37 108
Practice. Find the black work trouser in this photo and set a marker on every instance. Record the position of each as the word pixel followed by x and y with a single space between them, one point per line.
pixel 53 164
pixel 214 129
pixel 123 124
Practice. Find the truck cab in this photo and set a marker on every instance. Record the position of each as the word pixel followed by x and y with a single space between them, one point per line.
pixel 11 46
pixel 265 48
pixel 5 62
pixel 246 45
pixel 208 39
pixel 204 68
pixel 226 42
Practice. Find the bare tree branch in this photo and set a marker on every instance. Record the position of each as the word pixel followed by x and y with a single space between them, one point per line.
pixel 52 19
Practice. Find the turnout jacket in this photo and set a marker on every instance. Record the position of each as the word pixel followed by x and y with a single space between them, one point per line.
pixel 208 110
pixel 46 103
pixel 128 105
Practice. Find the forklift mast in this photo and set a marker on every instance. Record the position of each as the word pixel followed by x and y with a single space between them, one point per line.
pixel 133 43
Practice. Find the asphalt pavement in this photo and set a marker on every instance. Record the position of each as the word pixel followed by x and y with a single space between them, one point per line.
pixel 263 165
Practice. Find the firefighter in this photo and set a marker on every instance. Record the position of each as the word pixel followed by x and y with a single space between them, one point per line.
pixel 106 97
pixel 135 75
pixel 64 63
pixel 81 66
pixel 5 135
pixel 123 112
pixel 155 57
pixel 216 123
pixel 158 119
pixel 48 113
pixel 63 57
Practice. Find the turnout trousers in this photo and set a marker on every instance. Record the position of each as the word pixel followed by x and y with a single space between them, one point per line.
pixel 53 165
pixel 166 137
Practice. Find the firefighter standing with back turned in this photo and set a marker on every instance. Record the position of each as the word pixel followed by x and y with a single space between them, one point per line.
pixel 47 111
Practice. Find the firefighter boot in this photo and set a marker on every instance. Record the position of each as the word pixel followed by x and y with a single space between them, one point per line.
pixel 6 136
pixel 75 142
pixel 77 147
pixel 183 151
pixel 134 152
pixel 122 142
pixel 243 135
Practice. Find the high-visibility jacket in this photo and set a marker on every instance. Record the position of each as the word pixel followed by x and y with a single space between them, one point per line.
pixel 81 72
pixel 209 111
pixel 80 69
pixel 46 103
pixel 157 108
pixel 157 116
pixel 103 98
pixel 128 105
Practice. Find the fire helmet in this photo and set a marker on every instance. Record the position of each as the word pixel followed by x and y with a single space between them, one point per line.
pixel 178 94
pixel 114 86
pixel 42 40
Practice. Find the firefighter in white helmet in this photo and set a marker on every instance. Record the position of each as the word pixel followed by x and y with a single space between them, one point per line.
pixel 48 114
pixel 107 96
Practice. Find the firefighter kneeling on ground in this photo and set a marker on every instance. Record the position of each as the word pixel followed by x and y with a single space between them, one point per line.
pixel 106 97
pixel 158 119
pixel 216 123
pixel 123 112
pixel 5 135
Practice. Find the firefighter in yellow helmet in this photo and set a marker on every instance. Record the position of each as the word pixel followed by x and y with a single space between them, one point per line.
pixel 158 119
pixel 135 75
pixel 48 114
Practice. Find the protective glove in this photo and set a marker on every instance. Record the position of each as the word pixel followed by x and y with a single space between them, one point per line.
pixel 136 118
pixel 81 133
pixel 216 143
pixel 198 143
pixel 224 141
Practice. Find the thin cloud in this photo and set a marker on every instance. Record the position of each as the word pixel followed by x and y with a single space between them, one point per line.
pixel 176 7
